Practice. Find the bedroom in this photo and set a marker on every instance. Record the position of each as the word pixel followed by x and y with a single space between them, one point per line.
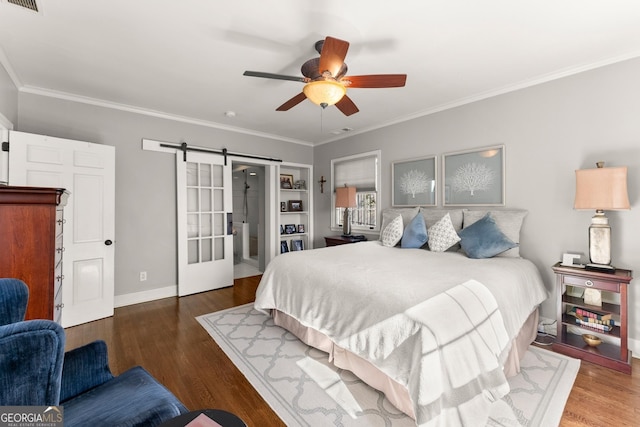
pixel 549 130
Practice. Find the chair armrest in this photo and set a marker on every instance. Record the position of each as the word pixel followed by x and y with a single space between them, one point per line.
pixel 84 368
pixel 31 355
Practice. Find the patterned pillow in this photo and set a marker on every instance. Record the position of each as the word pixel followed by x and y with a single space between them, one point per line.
pixel 415 234
pixel 442 235
pixel 392 234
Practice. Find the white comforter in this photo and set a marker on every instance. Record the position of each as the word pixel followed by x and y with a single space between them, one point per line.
pixel 397 308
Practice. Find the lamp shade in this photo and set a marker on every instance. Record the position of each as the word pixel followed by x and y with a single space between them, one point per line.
pixel 602 189
pixel 346 197
pixel 324 92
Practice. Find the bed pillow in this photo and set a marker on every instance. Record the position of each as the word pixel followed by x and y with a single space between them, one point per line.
pixel 415 234
pixel 433 215
pixel 392 233
pixel 509 221
pixel 389 214
pixel 483 239
pixel 442 235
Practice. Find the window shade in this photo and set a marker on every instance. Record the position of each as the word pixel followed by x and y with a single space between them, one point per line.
pixel 358 172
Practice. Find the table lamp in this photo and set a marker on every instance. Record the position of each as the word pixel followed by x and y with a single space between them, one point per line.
pixel 602 189
pixel 346 198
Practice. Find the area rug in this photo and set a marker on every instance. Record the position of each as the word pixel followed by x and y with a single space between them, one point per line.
pixel 304 389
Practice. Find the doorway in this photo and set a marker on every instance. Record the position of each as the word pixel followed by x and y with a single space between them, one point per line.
pixel 248 183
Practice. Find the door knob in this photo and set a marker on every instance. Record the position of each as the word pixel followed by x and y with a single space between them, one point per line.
pixel 108 242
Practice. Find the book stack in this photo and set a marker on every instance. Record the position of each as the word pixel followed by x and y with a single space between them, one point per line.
pixel 593 319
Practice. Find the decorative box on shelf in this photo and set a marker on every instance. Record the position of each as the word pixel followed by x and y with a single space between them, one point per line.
pixel 607 321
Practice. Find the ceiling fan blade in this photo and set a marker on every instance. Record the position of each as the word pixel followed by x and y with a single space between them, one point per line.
pixel 332 56
pixel 274 76
pixel 292 102
pixel 375 80
pixel 347 106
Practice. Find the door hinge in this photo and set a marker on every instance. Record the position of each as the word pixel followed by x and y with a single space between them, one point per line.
pixel 5 146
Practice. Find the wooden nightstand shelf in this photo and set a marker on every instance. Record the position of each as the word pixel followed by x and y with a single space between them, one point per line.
pixel 341 240
pixel 613 352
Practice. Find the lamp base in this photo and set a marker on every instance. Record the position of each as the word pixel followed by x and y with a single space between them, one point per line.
pixel 603 268
pixel 346 223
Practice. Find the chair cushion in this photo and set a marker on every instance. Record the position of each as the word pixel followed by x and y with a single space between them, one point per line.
pixel 133 398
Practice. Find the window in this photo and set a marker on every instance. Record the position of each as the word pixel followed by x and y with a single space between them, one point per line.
pixel 363 172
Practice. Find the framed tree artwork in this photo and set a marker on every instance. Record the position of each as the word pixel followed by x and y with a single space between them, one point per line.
pixel 474 177
pixel 414 182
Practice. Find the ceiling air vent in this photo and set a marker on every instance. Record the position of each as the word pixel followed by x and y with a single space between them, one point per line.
pixel 28 4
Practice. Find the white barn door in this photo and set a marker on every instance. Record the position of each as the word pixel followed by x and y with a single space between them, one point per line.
pixel 87 171
pixel 205 239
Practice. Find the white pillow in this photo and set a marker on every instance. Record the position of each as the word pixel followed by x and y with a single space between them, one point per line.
pixel 392 234
pixel 442 235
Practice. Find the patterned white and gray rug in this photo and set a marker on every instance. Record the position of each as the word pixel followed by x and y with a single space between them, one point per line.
pixel 306 390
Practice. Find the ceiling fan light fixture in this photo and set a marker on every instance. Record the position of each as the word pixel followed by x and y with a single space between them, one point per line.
pixel 324 92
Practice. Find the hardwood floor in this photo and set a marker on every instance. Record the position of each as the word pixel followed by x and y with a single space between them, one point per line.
pixel 164 337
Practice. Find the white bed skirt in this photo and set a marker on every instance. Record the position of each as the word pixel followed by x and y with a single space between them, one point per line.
pixel 397 394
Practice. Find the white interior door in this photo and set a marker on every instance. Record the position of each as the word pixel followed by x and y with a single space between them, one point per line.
pixel 205 239
pixel 87 171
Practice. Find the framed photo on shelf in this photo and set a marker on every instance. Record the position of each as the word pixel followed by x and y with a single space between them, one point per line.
pixel 283 246
pixel 281 229
pixel 295 205
pixel 283 206
pixel 297 245
pixel 290 228
pixel 300 228
pixel 414 182
pixel 300 184
pixel 286 181
pixel 474 177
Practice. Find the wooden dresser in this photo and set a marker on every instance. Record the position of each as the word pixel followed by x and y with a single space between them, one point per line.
pixel 31 225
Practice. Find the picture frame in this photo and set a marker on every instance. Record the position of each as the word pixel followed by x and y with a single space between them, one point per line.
pixel 290 229
pixel 286 181
pixel 300 228
pixel 281 229
pixel 297 245
pixel 414 182
pixel 295 206
pixel 474 177
pixel 300 184
pixel 284 247
pixel 283 206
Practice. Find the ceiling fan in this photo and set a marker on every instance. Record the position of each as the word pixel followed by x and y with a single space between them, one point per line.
pixel 326 79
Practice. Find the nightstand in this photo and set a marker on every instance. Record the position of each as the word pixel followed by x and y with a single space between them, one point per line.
pixel 570 282
pixel 342 240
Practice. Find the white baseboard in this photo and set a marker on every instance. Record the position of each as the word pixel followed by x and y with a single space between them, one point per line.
pixel 145 296
pixel 634 346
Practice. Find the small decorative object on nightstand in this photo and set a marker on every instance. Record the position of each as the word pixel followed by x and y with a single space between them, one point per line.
pixel 607 323
pixel 343 240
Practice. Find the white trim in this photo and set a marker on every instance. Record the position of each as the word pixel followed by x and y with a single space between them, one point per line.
pixel 5 123
pixel 490 94
pixel 145 296
pixel 10 71
pixel 153 113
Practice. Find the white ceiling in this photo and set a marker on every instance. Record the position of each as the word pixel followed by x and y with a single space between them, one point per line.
pixel 184 59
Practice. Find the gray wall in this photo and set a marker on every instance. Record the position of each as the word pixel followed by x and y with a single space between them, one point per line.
pixel 549 131
pixel 8 98
pixel 145 181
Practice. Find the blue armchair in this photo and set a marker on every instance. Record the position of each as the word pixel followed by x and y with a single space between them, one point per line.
pixel 35 371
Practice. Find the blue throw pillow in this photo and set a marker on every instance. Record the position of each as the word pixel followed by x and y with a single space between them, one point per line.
pixel 483 239
pixel 415 234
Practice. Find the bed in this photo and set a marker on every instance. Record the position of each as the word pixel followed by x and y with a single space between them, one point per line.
pixel 438 332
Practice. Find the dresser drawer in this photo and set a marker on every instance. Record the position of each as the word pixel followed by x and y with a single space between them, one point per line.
pixel 604 285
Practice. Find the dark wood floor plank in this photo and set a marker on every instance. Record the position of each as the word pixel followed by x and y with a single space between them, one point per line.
pixel 164 337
